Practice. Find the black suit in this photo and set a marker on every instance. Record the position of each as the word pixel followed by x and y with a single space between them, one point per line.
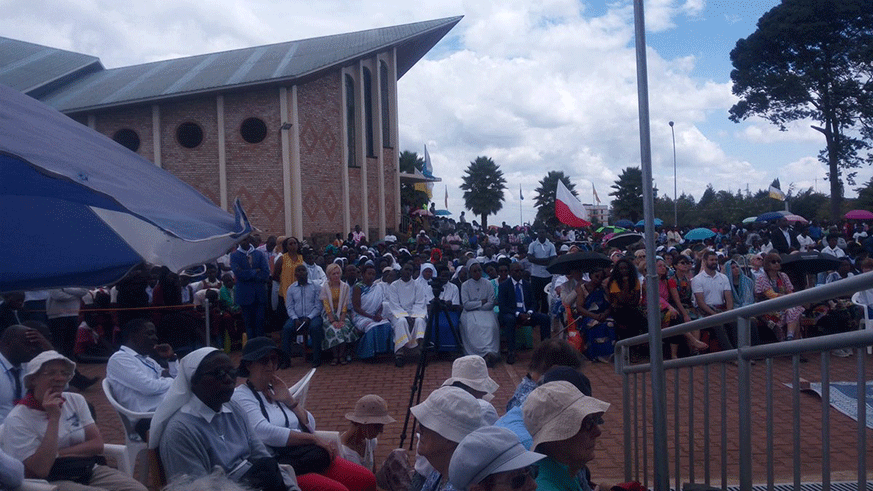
pixel 779 242
pixel 508 317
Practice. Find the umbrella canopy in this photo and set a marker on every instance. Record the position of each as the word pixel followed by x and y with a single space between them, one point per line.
pixel 423 212
pixel 771 215
pixel 85 210
pixel 699 234
pixel 624 239
pixel 809 262
pixel 624 223
pixel 749 219
pixel 585 261
pixel 859 215
pixel 442 213
pixel 658 223
pixel 792 218
pixel 610 229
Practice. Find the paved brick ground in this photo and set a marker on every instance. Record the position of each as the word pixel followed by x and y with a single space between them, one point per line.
pixel 335 390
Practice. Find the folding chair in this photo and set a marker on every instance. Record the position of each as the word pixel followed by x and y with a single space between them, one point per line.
pixel 133 444
pixel 866 321
pixel 301 389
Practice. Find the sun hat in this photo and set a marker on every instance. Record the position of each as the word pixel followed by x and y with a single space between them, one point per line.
pixel 370 409
pixel 472 371
pixel 487 451
pixel 450 411
pixel 554 411
pixel 34 365
pixel 568 374
pixel 256 349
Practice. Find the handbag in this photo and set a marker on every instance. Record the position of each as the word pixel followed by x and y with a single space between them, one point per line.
pixel 303 458
pixel 264 474
pixel 76 469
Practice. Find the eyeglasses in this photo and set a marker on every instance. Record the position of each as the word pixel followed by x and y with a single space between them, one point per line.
pixel 590 423
pixel 221 373
pixel 519 480
pixel 775 261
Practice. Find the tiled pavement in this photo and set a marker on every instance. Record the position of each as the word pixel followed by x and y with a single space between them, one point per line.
pixel 336 388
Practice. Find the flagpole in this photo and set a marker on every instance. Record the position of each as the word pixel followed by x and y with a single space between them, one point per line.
pixel 520 217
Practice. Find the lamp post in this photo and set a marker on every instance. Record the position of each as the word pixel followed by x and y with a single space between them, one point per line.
pixel 675 203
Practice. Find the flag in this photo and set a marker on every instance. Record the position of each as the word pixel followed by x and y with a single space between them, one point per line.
pixel 520 196
pixel 568 209
pixel 777 193
pixel 447 196
pixel 594 190
pixel 428 167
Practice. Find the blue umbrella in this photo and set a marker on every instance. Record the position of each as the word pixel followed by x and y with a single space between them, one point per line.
pixel 82 210
pixel 442 213
pixel 771 215
pixel 699 234
pixel 642 223
pixel 624 223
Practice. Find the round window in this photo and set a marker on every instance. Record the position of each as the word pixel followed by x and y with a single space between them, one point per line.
pixel 128 138
pixel 189 135
pixel 253 130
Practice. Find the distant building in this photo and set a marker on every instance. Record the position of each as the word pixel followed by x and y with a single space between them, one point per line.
pixel 304 133
pixel 597 212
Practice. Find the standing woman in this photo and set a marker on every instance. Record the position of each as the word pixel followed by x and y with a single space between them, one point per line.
pixel 772 284
pixel 338 328
pixel 479 328
pixel 53 434
pixel 367 303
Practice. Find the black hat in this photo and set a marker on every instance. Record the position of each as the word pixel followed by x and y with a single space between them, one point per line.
pixel 258 348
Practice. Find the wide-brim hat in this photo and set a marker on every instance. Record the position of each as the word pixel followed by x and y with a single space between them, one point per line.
pixel 370 409
pixel 35 365
pixel 488 450
pixel 451 412
pixel 472 371
pixel 258 348
pixel 554 411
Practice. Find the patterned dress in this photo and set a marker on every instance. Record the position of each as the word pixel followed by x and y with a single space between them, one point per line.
pixel 336 301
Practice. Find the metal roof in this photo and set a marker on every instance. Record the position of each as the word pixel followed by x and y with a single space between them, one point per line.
pixel 260 65
pixel 28 67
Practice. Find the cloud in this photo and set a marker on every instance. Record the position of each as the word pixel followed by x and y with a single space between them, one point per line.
pixel 758 130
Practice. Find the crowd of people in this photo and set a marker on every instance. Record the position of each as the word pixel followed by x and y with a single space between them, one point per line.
pixel 490 291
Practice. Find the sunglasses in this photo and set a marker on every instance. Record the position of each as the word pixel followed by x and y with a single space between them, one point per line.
pixel 519 480
pixel 775 261
pixel 274 358
pixel 221 373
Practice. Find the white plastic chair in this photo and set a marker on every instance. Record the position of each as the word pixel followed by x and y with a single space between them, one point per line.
pixel 301 389
pixel 126 455
pixel 866 322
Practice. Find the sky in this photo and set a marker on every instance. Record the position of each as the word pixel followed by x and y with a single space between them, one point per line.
pixel 536 86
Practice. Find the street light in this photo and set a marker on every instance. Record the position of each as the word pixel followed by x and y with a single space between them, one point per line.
pixel 675 203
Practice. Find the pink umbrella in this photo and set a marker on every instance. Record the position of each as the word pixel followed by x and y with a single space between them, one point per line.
pixel 792 218
pixel 859 215
pixel 422 211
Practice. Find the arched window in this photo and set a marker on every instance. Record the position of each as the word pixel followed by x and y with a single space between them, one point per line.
pixel 386 104
pixel 350 119
pixel 368 111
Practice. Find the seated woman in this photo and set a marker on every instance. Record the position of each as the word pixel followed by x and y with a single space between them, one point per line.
pixel 623 291
pixel 53 434
pixel 479 329
pixel 197 427
pixel 375 330
pixel 366 423
pixel 596 323
pixel 773 284
pixel 286 428
pixel 338 330
pixel 673 313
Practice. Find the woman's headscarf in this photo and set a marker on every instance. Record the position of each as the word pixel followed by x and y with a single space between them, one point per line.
pixel 746 286
pixel 427 266
pixel 178 395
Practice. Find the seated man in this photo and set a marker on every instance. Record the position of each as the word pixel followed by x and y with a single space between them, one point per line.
pixel 445 418
pixel 407 312
pixel 564 425
pixel 516 302
pixel 304 313
pixel 197 427
pixel 138 381
pixel 471 374
pixel 491 459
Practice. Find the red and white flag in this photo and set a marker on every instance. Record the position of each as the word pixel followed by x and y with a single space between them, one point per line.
pixel 568 209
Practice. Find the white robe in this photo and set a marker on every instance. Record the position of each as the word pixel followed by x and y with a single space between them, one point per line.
pixel 407 299
pixel 480 331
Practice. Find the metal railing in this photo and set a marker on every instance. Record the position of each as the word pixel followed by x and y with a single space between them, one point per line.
pixel 636 453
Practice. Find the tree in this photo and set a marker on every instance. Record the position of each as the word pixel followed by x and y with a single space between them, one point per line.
pixel 628 192
pixel 409 163
pixel 483 188
pixel 545 199
pixel 810 59
pixel 865 196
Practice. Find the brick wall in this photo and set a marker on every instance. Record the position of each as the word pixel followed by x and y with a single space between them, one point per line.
pixel 197 166
pixel 390 170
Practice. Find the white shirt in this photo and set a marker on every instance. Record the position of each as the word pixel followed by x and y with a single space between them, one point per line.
pixel 806 242
pixel 713 288
pixel 25 428
pixel 541 250
pixel 136 380
pixel 272 432
pixel 836 251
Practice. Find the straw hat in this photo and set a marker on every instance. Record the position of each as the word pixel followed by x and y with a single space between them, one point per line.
pixel 370 409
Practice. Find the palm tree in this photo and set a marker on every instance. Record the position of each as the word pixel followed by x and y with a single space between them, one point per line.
pixel 483 188
pixel 545 199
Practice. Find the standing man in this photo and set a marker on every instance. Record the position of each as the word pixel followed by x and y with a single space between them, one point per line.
pixel 712 294
pixel 515 300
pixel 304 313
pixel 784 239
pixel 138 381
pixel 358 235
pixel 252 273
pixel 540 253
